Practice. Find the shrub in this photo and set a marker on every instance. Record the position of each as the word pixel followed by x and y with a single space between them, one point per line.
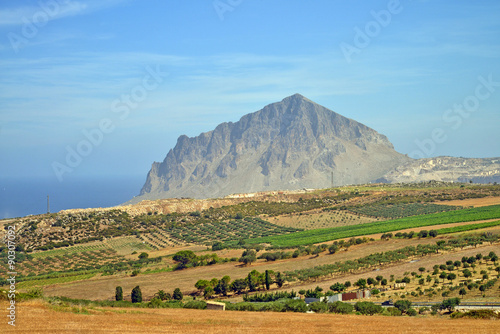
pixel 341 308
pixel 295 305
pixel 155 303
pixel 411 312
pixel 196 304
pixel 392 311
pixel 177 295
pixel 368 308
pixel 318 307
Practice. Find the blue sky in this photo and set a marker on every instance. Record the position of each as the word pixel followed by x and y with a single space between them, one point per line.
pixel 404 68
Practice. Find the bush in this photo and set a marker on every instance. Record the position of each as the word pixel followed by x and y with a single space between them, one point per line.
pixel 341 308
pixel 318 307
pixel 155 303
pixel 368 308
pixel 392 311
pixel 177 295
pixel 295 305
pixel 411 312
pixel 196 304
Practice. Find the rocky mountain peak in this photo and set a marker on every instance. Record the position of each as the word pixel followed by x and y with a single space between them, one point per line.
pixel 291 144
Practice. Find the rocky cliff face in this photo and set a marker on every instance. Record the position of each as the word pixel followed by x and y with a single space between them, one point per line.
pixel 291 144
pixel 448 169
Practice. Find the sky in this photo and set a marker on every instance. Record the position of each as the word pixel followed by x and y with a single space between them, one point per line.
pixel 104 88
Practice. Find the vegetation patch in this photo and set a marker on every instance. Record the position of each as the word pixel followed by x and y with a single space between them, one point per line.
pixel 323 235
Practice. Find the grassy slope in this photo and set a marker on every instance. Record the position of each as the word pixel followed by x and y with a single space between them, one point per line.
pixel 328 234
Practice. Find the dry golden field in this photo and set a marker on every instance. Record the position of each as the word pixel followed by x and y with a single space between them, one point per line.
pixel 37 317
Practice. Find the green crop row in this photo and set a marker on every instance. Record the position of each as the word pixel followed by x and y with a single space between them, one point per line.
pixel 328 234
pixel 469 227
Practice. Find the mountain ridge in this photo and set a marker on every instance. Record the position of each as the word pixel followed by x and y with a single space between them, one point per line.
pixel 291 144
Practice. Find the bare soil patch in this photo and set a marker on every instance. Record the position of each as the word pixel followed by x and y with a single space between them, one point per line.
pixel 475 202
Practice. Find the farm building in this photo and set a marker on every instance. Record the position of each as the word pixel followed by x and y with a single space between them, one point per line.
pixel 355 295
pixel 399 285
pixel 216 306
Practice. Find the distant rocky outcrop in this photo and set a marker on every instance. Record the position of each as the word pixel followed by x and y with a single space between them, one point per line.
pixel 291 144
pixel 448 169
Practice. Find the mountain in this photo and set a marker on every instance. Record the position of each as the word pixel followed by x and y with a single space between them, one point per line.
pixel 447 169
pixel 292 144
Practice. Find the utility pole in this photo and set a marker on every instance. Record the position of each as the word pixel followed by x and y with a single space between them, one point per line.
pixel 48 204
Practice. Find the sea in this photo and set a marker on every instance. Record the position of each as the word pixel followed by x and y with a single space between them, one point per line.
pixel 21 197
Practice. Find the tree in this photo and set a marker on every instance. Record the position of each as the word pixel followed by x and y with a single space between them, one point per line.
pixel 162 295
pixel 201 285
pixel 433 233
pixel 423 234
pixel 462 292
pixel 403 305
pixel 450 304
pixel 421 269
pixel 143 256
pixel 252 286
pixel 467 273
pixel 279 280
pixel 443 275
pixel 184 258
pixel 451 276
pixel 119 293
pixel 217 245
pixel 177 295
pixel 371 281
pixel 136 295
pixel 337 287
pixel 222 287
pixel 361 283
pixel 248 256
pixel 239 285
pixel 268 281
pixel 333 248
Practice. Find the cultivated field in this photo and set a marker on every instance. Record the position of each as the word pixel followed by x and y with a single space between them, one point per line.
pixel 32 314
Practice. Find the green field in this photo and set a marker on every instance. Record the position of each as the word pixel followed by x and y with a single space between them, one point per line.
pixel 328 234
pixel 470 227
